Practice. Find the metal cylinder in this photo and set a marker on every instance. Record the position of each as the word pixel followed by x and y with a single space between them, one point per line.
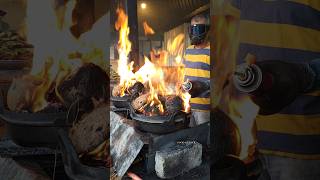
pixel 187 86
pixel 247 78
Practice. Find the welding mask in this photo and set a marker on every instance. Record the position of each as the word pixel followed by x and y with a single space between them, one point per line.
pixel 198 33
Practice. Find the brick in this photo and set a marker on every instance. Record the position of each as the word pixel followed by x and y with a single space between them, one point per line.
pixel 177 159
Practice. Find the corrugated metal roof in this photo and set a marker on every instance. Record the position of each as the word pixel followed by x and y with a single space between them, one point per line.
pixel 162 15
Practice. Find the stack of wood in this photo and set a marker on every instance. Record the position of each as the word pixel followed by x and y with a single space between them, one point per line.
pixel 84 87
pixel 140 97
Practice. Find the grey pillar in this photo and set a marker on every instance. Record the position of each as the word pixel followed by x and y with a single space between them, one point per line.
pixel 131 9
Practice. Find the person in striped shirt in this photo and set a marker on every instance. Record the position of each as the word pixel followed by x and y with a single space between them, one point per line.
pixel 197 68
pixel 289 30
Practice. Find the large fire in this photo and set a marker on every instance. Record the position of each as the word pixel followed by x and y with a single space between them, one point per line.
pixel 56 50
pixel 58 54
pixel 152 75
pixel 239 108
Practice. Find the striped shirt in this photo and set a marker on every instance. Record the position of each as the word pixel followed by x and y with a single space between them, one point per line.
pixel 287 30
pixel 197 68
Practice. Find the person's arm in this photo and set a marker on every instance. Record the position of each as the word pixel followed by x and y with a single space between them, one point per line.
pixel 195 88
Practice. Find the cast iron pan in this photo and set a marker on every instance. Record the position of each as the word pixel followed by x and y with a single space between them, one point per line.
pixel 33 129
pixel 160 124
pixel 121 102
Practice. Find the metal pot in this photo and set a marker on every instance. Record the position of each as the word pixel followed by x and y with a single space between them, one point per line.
pixel 121 102
pixel 160 124
pixel 33 129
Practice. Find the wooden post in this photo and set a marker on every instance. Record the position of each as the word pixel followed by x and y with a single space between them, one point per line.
pixel 131 9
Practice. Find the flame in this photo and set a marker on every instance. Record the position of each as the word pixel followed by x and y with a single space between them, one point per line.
pixel 240 109
pixel 147 29
pixel 175 48
pixel 54 43
pixel 154 77
pixel 124 48
pixel 186 101
pixel 159 81
pixel 100 152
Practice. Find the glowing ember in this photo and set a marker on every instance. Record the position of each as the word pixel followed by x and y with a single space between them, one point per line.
pixel 147 29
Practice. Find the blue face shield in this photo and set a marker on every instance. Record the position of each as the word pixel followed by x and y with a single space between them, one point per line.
pixel 197 33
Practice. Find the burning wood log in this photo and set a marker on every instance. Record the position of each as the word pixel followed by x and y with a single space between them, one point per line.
pixel 171 105
pixel 149 110
pixel 80 88
pixel 91 131
pixel 140 101
pixel 136 89
pixel 89 81
pixel 21 92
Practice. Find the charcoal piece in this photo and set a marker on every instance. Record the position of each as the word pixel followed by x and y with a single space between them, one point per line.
pixel 137 88
pixel 87 82
pixel 91 131
pixel 140 101
pixel 173 104
pixel 134 96
pixel 152 110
